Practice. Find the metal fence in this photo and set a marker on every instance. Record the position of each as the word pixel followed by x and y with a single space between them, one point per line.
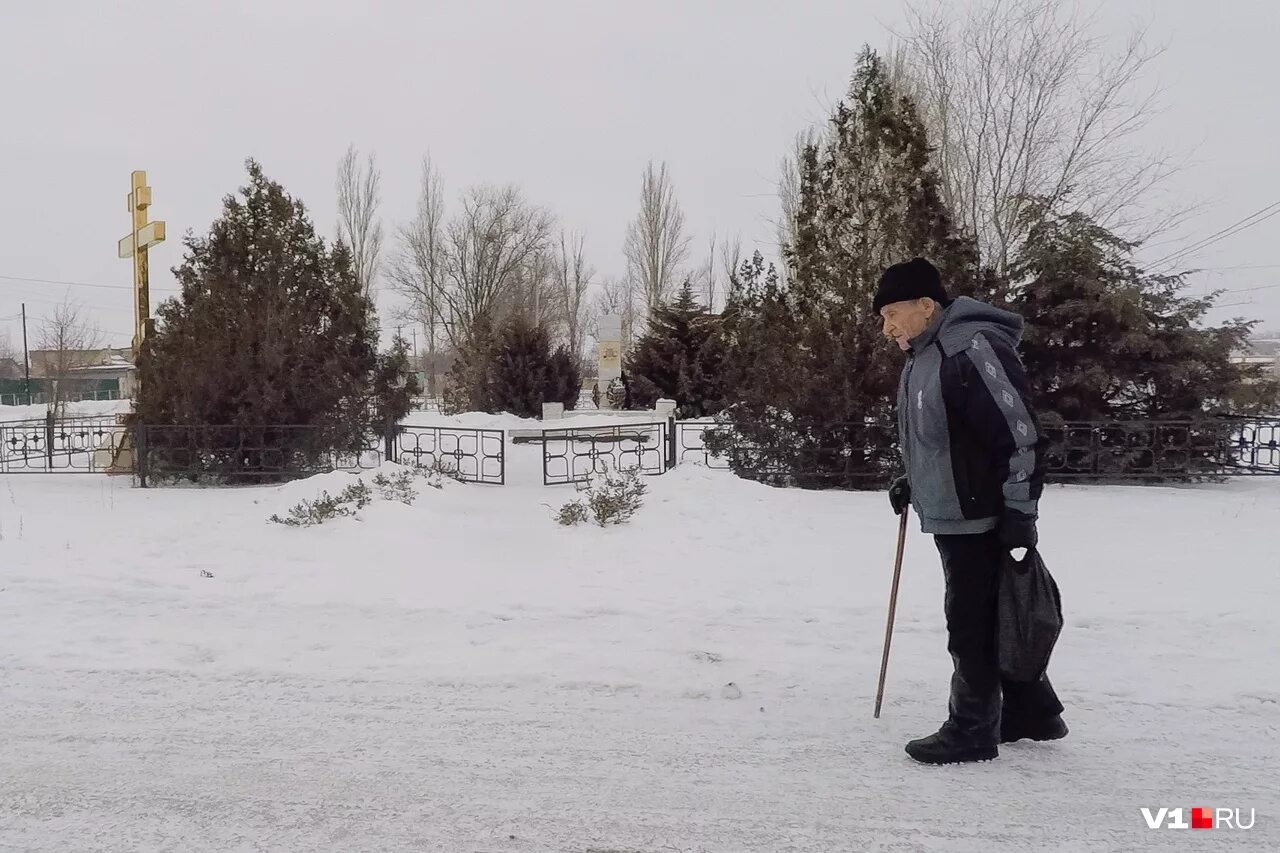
pixel 1162 450
pixel 859 455
pixel 247 454
pixel 239 454
pixel 816 455
pixel 477 455
pixel 572 455
pixel 52 445
pixel 271 453
pixel 40 399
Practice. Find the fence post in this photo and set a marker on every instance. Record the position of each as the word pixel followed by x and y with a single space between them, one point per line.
pixel 140 452
pixel 672 450
pixel 48 438
pixel 389 441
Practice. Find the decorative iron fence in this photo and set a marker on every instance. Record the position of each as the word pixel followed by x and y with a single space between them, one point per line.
pixel 1162 450
pixel 696 441
pixel 813 456
pixel 423 403
pixel 52 445
pixel 865 455
pixel 573 455
pixel 1255 444
pixel 238 454
pixel 1153 451
pixel 477 455
pixel 230 454
pixel 248 454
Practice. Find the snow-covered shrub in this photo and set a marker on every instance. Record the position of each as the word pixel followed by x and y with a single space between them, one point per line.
pixel 610 498
pixel 572 514
pixel 437 472
pixel 397 487
pixel 307 513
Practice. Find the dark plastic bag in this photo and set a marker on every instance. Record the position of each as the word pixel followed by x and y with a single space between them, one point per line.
pixel 1029 617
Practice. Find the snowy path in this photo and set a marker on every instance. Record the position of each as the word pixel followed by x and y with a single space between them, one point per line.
pixel 463 675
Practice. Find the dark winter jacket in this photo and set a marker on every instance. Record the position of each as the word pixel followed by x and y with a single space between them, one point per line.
pixel 969 437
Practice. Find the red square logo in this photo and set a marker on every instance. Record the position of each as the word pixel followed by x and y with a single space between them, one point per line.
pixel 1202 818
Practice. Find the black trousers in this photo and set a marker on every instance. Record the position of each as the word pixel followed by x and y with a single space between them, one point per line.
pixel 979 696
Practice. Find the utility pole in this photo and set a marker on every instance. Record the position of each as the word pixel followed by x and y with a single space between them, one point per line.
pixel 26 354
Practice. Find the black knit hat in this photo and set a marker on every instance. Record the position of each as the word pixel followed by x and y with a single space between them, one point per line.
pixel 914 279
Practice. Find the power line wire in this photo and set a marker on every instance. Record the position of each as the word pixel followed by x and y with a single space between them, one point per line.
pixel 1237 267
pixel 1231 230
pixel 1249 289
pixel 77 283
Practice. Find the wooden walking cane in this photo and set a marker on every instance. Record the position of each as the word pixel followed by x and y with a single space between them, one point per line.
pixel 893 606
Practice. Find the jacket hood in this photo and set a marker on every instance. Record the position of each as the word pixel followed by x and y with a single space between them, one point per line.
pixel 965 318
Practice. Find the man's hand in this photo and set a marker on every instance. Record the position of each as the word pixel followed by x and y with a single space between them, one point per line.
pixel 1018 530
pixel 900 495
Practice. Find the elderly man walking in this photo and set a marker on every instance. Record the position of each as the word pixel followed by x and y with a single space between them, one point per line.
pixel 970 442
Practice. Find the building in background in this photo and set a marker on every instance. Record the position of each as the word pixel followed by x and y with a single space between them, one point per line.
pixel 69 376
pixel 1263 350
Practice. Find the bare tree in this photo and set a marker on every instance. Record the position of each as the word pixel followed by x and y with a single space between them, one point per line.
pixel 492 247
pixel 67 342
pixel 730 258
pixel 359 196
pixel 7 350
pixel 534 292
pixel 656 245
pixel 573 282
pixel 1024 100
pixel 705 280
pixel 418 270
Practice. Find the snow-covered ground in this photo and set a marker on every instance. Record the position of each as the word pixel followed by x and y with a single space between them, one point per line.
pixel 85 409
pixel 465 675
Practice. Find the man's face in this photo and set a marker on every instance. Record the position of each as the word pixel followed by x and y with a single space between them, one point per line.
pixel 905 320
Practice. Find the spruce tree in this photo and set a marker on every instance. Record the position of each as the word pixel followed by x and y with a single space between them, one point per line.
pixel 468 384
pixel 270 329
pixel 521 369
pixel 394 385
pixel 814 388
pixel 513 371
pixel 1106 340
pixel 564 378
pixel 679 357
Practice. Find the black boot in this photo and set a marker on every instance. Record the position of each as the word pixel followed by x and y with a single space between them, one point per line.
pixel 1046 728
pixel 970 732
pixel 949 747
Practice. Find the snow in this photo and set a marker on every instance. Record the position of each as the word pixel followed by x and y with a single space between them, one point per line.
pixel 507 421
pixel 84 409
pixel 465 675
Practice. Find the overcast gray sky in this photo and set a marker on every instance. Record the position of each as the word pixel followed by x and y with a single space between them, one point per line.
pixel 568 98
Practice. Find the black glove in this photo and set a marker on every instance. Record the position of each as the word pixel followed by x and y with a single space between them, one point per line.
pixel 1018 530
pixel 900 495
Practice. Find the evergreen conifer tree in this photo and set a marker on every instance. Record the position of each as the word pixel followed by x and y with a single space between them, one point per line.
pixel 271 328
pixel 513 371
pixel 813 387
pixel 1106 340
pixel 679 357
pixel 394 385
